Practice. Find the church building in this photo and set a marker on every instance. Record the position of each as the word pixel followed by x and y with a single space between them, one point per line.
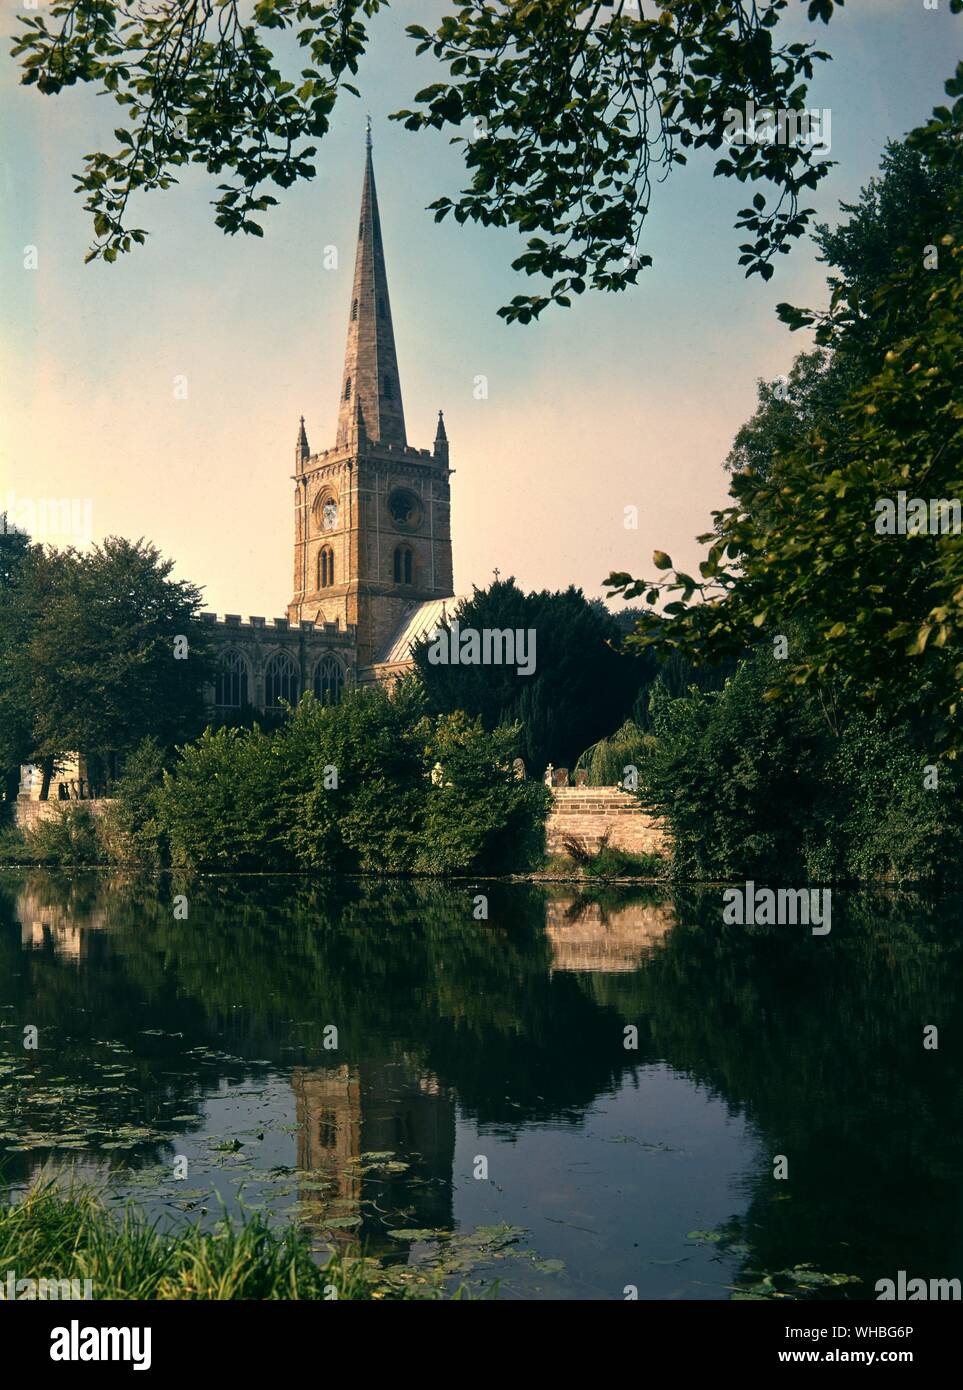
pixel 372 526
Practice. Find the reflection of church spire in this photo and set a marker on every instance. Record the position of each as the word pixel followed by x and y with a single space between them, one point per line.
pixel 370 361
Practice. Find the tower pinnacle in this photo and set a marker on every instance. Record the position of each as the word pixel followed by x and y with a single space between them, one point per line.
pixel 370 359
pixel 441 439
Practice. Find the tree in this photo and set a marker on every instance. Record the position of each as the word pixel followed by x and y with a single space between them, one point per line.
pixel 353 780
pixel 478 817
pixel 575 107
pixel 582 685
pixel 220 806
pixel 775 793
pixel 371 785
pixel 880 614
pixel 905 207
pixel 109 652
pixel 15 552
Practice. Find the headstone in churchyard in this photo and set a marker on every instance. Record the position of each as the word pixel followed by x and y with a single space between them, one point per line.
pixel 581 776
pixel 518 770
pixel 561 777
pixel 550 776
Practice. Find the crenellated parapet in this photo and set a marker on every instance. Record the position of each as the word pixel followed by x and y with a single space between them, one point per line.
pixel 264 661
pixel 281 628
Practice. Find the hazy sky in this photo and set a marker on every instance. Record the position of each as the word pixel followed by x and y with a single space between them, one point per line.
pixel 630 399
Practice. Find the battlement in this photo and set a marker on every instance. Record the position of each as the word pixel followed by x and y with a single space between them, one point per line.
pixel 369 447
pixel 232 622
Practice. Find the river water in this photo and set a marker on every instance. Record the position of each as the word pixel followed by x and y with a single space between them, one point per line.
pixel 586 1095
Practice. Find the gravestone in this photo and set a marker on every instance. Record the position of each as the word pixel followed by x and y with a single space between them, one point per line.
pixel 561 777
pixel 518 770
pixel 581 776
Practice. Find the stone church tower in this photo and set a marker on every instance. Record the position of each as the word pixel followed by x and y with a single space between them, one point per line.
pixel 372 526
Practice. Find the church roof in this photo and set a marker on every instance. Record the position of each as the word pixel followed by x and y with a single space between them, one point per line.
pixel 370 375
pixel 417 622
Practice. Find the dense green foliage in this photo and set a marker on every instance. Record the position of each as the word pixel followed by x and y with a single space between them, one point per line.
pixel 576 109
pixel 371 785
pixel 800 544
pixel 905 206
pixel 218 806
pixel 70 836
pixel 133 827
pixel 606 761
pixel 796 791
pixel 582 685
pixel 15 740
pixel 98 650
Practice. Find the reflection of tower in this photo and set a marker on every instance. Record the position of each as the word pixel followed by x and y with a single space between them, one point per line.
pixel 346 1114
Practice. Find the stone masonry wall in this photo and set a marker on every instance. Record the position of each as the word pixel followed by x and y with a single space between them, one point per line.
pixel 586 813
pixel 26 814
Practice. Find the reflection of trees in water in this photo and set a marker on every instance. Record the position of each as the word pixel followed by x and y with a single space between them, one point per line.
pixel 817 1041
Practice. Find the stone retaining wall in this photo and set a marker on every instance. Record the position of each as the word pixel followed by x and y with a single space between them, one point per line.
pixel 586 813
pixel 27 814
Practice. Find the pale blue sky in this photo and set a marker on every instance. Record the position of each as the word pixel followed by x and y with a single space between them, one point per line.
pixel 621 400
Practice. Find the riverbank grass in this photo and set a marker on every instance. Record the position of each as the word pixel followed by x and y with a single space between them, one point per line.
pixel 56 1234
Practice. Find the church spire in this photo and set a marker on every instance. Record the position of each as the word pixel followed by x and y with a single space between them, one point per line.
pixel 370 361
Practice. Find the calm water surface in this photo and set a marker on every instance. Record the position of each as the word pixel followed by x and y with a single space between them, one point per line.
pixel 480 1110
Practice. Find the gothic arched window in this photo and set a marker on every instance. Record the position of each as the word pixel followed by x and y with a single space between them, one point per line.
pixel 230 682
pixel 328 680
pixel 325 567
pixel 403 564
pixel 347 388
pixel 281 681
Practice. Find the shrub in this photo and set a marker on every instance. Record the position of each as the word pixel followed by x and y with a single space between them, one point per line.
pixel 133 826
pixel 354 781
pixel 220 806
pixel 69 837
pixel 751 788
pixel 478 817
pixel 337 788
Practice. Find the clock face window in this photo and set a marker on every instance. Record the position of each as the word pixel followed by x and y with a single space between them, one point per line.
pixel 405 509
pixel 329 514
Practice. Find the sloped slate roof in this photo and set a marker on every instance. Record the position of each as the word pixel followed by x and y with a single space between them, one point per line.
pixel 418 621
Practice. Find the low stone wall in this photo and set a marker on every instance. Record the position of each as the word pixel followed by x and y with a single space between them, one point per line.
pixel 586 813
pixel 27 814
